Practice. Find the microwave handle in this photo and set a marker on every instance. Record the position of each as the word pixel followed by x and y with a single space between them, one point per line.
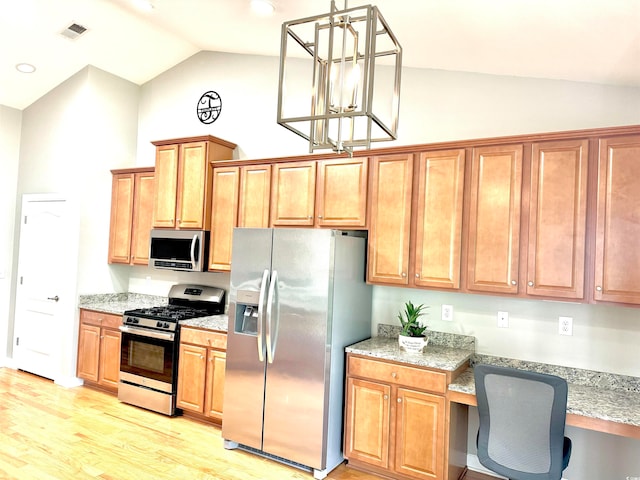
pixel 193 249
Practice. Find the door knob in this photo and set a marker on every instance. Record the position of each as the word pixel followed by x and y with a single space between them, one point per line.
pixel 55 299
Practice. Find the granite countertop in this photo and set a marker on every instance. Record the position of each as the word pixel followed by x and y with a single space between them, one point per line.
pixel 613 398
pixel 214 322
pixel 435 356
pixel 117 303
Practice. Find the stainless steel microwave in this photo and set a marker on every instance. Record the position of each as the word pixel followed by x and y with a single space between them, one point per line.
pixel 184 250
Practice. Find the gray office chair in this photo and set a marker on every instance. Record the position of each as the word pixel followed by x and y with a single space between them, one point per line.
pixel 522 417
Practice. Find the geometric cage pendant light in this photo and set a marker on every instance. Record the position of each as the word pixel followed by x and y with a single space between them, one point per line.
pixel 339 82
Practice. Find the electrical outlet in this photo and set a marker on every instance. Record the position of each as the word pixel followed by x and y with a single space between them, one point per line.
pixel 447 312
pixel 503 319
pixel 565 325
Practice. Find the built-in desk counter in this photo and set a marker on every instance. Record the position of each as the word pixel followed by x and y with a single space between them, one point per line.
pixel 596 401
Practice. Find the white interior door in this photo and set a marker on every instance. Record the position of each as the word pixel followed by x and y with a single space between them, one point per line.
pixel 42 293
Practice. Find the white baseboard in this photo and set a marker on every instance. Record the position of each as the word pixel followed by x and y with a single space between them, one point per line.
pixel 69 382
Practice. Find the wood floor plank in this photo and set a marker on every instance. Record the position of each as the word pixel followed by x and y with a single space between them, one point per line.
pixel 48 432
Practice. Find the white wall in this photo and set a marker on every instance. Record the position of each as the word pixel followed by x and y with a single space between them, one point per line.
pixel 70 139
pixel 10 123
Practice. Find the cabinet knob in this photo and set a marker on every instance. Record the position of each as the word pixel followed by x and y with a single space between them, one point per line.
pixel 399 400
pixel 513 282
pixel 417 275
pixel 386 397
pixel 530 284
pixel 599 288
pixel 201 357
pixel 394 374
pixel 320 217
pixel 404 274
pixel 310 217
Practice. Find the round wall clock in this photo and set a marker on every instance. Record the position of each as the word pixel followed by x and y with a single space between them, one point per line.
pixel 209 107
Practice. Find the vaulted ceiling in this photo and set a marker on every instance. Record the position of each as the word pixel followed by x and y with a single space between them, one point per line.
pixel 594 41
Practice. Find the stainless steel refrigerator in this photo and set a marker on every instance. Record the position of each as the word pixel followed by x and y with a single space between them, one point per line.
pixel 297 298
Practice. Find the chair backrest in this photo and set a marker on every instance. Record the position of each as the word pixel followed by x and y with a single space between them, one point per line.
pixel 522 419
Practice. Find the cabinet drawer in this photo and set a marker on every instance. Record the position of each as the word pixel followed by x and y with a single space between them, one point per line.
pixel 398 374
pixel 108 320
pixel 206 338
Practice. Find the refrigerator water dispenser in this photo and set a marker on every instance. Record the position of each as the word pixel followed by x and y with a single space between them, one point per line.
pixel 246 320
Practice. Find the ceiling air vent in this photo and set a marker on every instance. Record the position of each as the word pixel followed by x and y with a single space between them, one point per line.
pixel 73 31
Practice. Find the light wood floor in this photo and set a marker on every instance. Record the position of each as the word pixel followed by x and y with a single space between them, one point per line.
pixel 50 432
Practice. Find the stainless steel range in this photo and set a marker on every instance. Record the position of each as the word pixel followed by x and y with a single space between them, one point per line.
pixel 150 341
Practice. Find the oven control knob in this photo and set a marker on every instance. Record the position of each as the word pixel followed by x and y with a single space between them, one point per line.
pixel 159 324
pixel 165 325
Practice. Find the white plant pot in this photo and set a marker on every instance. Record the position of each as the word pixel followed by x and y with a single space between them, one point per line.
pixel 412 344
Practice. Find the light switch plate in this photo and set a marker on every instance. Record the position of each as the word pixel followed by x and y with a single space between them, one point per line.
pixel 503 319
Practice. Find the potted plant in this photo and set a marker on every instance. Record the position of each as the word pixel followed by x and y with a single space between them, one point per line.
pixel 412 337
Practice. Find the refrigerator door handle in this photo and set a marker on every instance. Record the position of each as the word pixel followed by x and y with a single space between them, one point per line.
pixel 263 292
pixel 272 327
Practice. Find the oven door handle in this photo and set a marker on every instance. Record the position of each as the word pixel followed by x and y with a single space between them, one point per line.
pixel 147 333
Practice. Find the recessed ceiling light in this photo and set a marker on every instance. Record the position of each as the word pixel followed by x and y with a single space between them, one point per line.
pixel 25 68
pixel 262 7
pixel 143 5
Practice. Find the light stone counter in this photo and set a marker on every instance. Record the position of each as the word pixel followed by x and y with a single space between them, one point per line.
pixel 117 303
pixel 214 322
pixel 434 356
pixel 594 395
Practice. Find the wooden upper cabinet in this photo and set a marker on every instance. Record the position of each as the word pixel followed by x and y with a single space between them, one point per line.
pixel 341 193
pixel 122 188
pixel 494 219
pixel 142 217
pixel 192 185
pixel 184 182
pixel 557 219
pixel 224 214
pixel 438 219
pixel 131 215
pixel 255 192
pixel 617 252
pixel 389 219
pixel 164 211
pixel 293 188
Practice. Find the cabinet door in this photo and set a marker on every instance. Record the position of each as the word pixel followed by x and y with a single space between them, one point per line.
pixel 255 193
pixel 419 434
pixel 293 190
pixel 110 358
pixel 89 352
pixel 557 219
pixel 142 217
pixel 367 422
pixel 617 268
pixel 224 211
pixel 191 377
pixel 122 194
pixel 390 215
pixel 192 179
pixel 166 186
pixel 214 394
pixel 438 219
pixel 494 219
pixel 341 193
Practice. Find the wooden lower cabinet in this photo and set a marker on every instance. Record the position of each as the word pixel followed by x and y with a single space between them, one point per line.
pixel 99 349
pixel 396 420
pixel 201 370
